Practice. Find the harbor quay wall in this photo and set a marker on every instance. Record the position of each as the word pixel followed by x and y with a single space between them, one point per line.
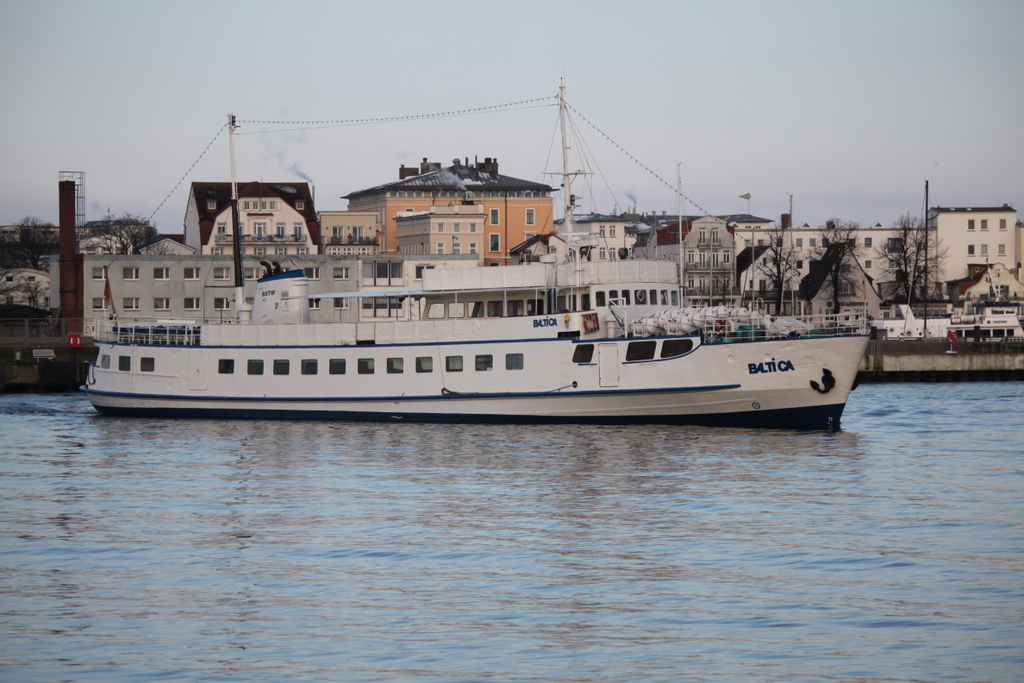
pixel 29 367
pixel 931 361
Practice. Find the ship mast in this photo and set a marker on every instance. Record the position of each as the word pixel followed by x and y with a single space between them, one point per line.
pixel 242 310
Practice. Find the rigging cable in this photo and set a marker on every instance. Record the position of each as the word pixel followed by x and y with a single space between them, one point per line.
pixel 638 162
pixel 178 184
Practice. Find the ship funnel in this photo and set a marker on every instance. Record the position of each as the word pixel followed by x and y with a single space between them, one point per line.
pixel 281 298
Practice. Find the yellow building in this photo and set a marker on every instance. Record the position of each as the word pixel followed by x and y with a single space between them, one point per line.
pixel 511 210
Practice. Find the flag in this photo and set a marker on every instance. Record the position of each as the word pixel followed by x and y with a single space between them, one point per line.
pixel 745 196
pixel 108 298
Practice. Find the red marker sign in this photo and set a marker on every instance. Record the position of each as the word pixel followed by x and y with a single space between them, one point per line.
pixel 74 340
pixel 951 337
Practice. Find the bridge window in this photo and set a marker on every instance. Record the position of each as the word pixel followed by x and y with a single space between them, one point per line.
pixel 584 353
pixel 641 350
pixel 676 347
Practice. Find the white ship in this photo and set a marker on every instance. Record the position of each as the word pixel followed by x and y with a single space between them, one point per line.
pixel 530 351
pixel 576 342
pixel 994 323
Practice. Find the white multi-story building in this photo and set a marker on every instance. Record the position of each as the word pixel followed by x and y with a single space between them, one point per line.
pixel 275 219
pixel 975 236
pixel 202 287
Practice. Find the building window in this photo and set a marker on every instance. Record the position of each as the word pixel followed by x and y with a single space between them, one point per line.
pixel 130 273
pixel 98 304
pixel 494 242
pixel 341 273
pixel 302 251
pixel 799 242
pixel 221 304
pixel 161 303
pixel 314 304
pixel 99 273
pixel 312 273
pixel 300 205
pixel 867 241
pixel 530 217
pixel 250 273
pixel 254 367
pixel 440 248
pixel 495 216
pixel 984 250
pixel 984 224
pixel 1001 251
pixel 191 273
pixel 130 303
pixel 456 246
pixel 472 248
pixel 161 273
pixel 867 265
pixel 970 224
pixel 1002 224
pixel 440 227
pixel 472 227
pixel 970 250
pixel 341 304
pixel 221 273
pixel 191 304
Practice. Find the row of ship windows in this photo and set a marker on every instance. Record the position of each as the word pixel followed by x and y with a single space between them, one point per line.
pixel 335 366
pixel 582 353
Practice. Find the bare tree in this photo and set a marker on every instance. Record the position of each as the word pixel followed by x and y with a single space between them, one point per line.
pixel 837 254
pixel 907 256
pixel 778 264
pixel 29 243
pixel 124 234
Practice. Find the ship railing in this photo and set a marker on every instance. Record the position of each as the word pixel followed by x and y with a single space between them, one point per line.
pixel 722 325
pixel 149 332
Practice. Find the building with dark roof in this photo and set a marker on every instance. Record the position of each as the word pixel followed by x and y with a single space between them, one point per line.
pixel 276 219
pixel 513 209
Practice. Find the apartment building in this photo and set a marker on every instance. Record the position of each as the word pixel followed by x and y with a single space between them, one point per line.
pixel 275 219
pixel 512 208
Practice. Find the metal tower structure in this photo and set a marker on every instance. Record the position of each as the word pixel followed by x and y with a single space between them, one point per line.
pixel 78 177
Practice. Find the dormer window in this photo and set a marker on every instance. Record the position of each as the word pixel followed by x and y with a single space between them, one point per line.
pixel 300 205
pixel 211 204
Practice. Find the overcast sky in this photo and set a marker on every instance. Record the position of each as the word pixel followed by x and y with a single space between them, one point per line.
pixel 848 106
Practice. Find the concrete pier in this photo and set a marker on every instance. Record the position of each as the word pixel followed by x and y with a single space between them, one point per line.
pixel 930 361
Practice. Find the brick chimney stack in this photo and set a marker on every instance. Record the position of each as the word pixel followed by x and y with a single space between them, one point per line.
pixel 71 299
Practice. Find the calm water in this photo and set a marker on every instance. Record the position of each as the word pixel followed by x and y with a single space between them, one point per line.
pixel 153 550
